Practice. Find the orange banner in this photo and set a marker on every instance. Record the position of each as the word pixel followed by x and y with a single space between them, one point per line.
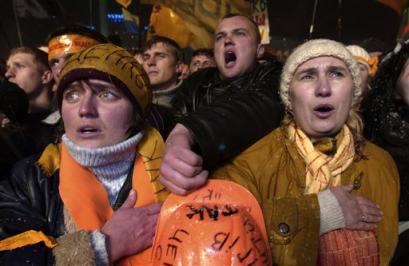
pixel 124 3
pixel 397 5
pixel 201 17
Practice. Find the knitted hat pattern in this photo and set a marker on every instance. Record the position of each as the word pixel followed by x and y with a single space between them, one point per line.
pixel 360 54
pixel 112 64
pixel 313 49
pixel 371 62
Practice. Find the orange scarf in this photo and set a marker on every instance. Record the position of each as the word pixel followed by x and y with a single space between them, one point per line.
pixel 342 246
pixel 323 170
pixel 87 201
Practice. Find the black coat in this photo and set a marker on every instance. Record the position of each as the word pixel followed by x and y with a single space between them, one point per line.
pixel 30 200
pixel 16 143
pixel 227 116
pixel 393 136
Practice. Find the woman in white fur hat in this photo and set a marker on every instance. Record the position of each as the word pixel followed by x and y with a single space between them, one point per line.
pixel 329 197
pixel 367 64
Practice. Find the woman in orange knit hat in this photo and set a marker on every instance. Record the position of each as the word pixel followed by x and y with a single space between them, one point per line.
pixel 93 199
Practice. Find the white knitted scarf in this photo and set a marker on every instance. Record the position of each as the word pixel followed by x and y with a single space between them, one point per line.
pixel 109 164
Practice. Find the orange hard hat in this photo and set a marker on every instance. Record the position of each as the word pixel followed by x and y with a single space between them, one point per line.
pixel 219 224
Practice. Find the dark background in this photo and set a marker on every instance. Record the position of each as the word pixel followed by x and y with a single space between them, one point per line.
pixel 28 22
pixel 348 21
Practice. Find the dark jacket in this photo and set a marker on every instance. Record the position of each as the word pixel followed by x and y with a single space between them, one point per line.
pixel 161 118
pixel 30 200
pixel 42 133
pixel 386 120
pixel 16 143
pixel 391 132
pixel 227 116
pixel 393 136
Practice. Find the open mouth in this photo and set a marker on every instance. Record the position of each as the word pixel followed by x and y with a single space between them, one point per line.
pixel 152 72
pixel 323 110
pixel 87 130
pixel 229 57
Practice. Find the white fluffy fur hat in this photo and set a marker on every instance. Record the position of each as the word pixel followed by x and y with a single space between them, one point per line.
pixel 313 49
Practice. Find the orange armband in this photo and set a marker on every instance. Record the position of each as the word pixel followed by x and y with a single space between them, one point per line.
pixel 27 238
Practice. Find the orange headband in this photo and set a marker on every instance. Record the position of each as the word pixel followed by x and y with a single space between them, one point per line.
pixel 68 44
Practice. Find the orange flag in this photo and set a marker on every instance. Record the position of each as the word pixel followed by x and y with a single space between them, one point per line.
pixel 397 5
pixel 201 17
pixel 124 3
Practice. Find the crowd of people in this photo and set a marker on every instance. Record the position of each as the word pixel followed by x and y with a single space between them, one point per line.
pixel 236 158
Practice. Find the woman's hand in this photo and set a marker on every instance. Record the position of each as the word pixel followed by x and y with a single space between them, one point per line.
pixel 130 230
pixel 359 212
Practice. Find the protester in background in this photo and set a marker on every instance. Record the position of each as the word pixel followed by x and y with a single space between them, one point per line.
pixel 221 111
pixel 201 58
pixel 61 44
pixel 367 65
pixel 15 136
pixel 91 199
pixel 163 61
pixel 67 40
pixel 329 196
pixel 28 68
pixel 386 117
